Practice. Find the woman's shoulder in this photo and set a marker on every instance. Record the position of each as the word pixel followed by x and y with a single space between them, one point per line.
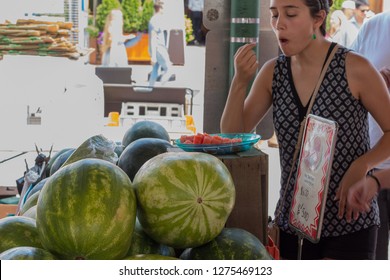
pixel 269 66
pixel 356 62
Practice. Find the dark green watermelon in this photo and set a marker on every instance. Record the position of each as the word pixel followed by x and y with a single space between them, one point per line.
pixel 27 253
pixel 140 151
pixel 119 148
pixel 30 202
pixel 230 244
pixel 150 257
pixel 141 243
pixel 61 160
pixel 53 159
pixel 145 129
pixel 36 188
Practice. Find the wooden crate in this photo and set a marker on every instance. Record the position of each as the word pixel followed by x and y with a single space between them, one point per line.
pixel 7 210
pixel 249 171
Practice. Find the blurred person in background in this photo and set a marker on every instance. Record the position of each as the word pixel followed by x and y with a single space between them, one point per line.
pixel 372 42
pixel 348 8
pixel 360 14
pixel 114 49
pixel 342 31
pixel 158 47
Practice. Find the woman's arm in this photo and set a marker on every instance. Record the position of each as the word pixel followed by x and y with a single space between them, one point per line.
pixel 385 72
pixel 368 86
pixel 242 113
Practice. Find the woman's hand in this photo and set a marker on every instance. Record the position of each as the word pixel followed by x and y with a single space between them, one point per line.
pixel 245 62
pixel 354 174
pixel 361 194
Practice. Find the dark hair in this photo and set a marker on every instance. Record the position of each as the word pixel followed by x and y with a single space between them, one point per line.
pixel 359 3
pixel 317 5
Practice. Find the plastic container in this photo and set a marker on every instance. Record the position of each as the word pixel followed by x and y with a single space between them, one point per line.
pixel 248 140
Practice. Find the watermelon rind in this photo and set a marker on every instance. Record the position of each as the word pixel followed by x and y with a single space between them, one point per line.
pixel 31 212
pixel 53 159
pixel 37 187
pixel 97 146
pixel 141 243
pixel 16 231
pixel 150 257
pixel 27 253
pixel 87 211
pixel 184 199
pixel 230 244
pixel 60 160
pixel 145 129
pixel 140 151
pixel 30 202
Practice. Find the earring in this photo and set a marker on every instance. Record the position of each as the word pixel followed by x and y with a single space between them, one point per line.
pixel 314 36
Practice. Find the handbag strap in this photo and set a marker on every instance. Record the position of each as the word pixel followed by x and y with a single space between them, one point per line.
pixel 301 127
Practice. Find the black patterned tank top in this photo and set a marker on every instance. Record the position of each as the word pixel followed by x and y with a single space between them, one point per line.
pixel 334 101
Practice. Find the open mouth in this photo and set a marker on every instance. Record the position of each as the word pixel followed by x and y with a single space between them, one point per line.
pixel 283 41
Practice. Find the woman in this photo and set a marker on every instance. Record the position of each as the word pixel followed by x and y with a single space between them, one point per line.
pixel 350 88
pixel 114 50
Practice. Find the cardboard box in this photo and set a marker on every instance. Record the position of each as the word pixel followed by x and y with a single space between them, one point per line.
pixel 7 210
pixel 249 171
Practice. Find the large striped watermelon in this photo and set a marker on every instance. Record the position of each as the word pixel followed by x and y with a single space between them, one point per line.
pixel 230 244
pixel 18 231
pixel 27 253
pixel 86 210
pixel 184 198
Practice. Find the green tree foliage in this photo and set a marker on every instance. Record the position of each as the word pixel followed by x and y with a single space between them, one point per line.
pixel 336 5
pixel 147 13
pixel 103 10
pixel 132 14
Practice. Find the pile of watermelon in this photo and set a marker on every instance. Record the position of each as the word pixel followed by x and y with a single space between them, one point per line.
pixel 141 201
pixel 207 139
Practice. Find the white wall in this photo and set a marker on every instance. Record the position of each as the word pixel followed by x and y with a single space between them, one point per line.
pixel 14 9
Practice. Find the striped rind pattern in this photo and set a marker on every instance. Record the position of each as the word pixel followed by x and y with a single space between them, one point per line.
pixel 184 199
pixel 230 244
pixel 16 231
pixel 27 253
pixel 87 210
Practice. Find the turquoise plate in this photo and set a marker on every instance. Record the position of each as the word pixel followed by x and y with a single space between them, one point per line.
pixel 248 140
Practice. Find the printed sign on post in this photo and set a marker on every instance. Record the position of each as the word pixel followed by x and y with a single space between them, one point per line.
pixel 315 164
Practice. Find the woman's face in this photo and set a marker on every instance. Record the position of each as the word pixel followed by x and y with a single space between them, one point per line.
pixel 293 25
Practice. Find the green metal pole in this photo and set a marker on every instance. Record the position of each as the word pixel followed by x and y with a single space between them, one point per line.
pixel 244 27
